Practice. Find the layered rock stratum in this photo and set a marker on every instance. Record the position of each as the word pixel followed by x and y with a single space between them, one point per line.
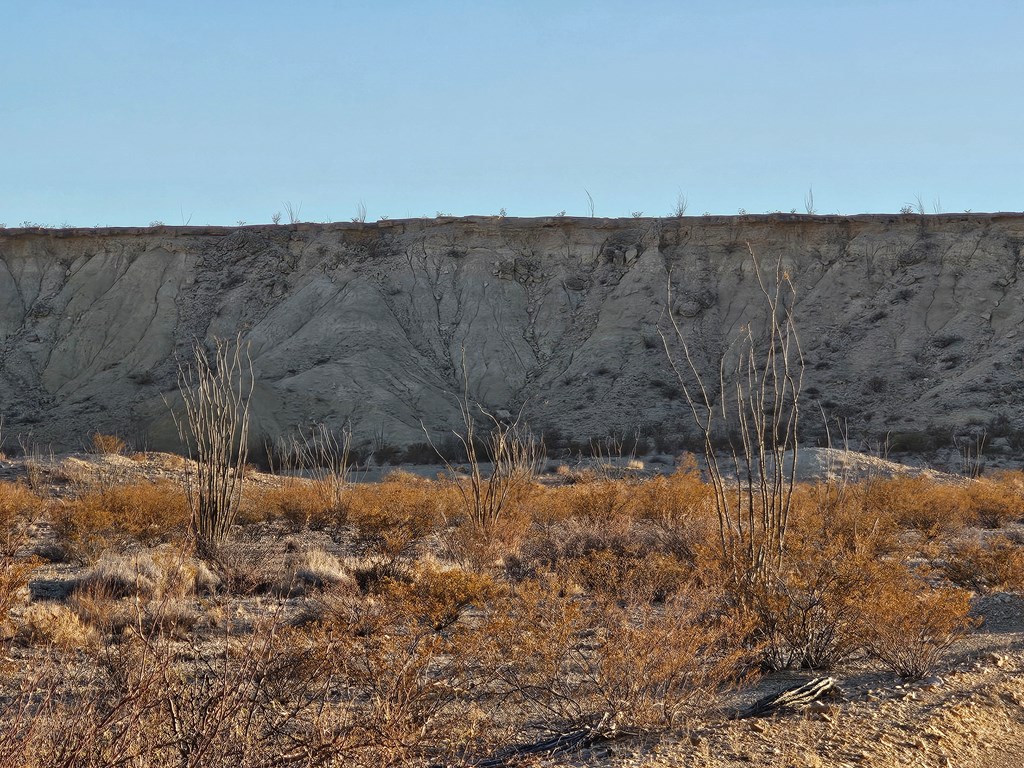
pixel 910 325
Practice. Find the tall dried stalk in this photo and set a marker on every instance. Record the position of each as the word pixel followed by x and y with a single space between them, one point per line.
pixel 215 428
pixel 327 455
pixel 510 448
pixel 756 409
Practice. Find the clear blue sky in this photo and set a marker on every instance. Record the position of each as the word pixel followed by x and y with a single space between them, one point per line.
pixel 123 113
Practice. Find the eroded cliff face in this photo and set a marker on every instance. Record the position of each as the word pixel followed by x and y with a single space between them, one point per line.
pixel 907 322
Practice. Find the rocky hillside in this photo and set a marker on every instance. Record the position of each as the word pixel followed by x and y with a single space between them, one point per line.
pixel 910 325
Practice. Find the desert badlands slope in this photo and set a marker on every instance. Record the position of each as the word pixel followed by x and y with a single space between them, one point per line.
pixel 910 324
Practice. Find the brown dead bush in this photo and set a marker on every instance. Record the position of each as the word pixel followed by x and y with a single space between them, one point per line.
pixel 410 685
pixel 810 615
pixel 559 654
pixel 681 509
pixel 640 578
pixel 392 518
pixel 847 515
pixel 14 578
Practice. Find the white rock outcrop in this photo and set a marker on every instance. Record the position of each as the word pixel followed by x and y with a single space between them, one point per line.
pixel 908 323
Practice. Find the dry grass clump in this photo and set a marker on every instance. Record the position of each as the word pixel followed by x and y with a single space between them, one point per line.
pixel 150 590
pixel 315 569
pixel 246 566
pixel 121 575
pixel 56 624
pixel 149 573
pixel 148 513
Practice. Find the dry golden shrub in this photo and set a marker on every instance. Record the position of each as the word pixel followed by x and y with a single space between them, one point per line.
pixel 842 515
pixel 561 654
pixel 148 512
pixel 653 577
pixel 18 507
pixel 986 565
pixel 392 518
pixel 810 615
pixel 601 501
pixel 301 503
pixel 414 692
pixel 933 509
pixel 652 668
pixel 908 625
pixel 681 509
pixel 995 501
pixel 107 444
pixel 437 597
pixel 14 578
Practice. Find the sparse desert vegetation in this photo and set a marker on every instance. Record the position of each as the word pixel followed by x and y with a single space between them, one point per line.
pixel 389 623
